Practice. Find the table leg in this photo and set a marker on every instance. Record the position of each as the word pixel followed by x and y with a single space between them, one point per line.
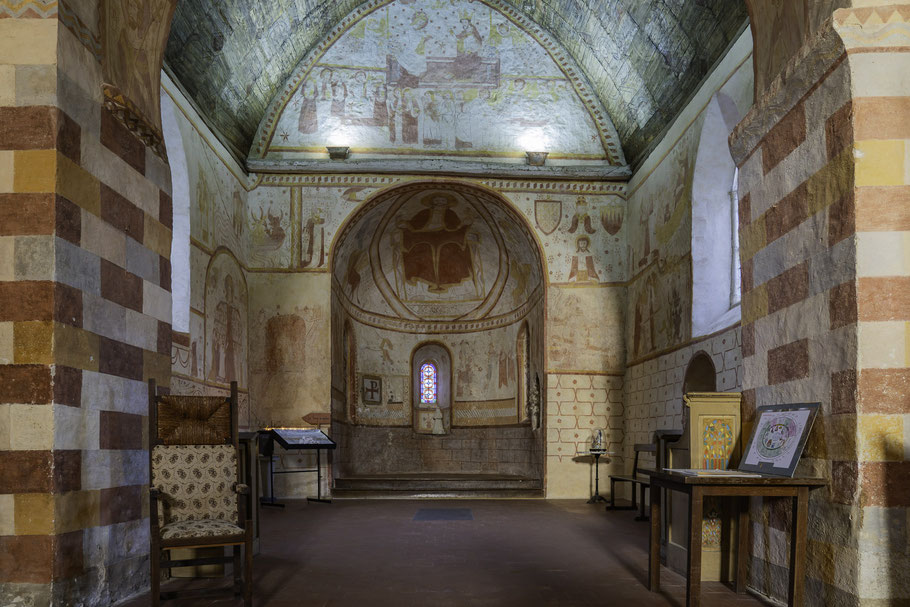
pixel 654 551
pixel 641 502
pixel 742 544
pixel 798 546
pixel 693 568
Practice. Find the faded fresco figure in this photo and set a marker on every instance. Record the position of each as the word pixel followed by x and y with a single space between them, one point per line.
pixel 583 269
pixel 434 245
pixel 409 117
pixel 438 421
pixel 309 118
pixel 227 347
pixel 432 118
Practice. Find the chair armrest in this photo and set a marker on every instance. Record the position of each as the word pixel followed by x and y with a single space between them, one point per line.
pixel 241 488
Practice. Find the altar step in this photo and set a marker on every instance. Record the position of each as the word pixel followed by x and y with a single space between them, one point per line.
pixel 437 485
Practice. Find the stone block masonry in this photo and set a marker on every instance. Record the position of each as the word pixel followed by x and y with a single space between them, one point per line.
pixel 576 406
pixel 84 317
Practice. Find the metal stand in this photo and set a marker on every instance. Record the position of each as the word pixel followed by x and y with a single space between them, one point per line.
pixel 271 501
pixel 318 497
pixel 597 497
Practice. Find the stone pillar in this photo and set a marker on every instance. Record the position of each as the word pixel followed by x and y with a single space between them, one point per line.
pixel 85 220
pixel 877 42
pixel 823 220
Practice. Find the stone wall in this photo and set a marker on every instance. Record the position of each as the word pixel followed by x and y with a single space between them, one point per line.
pixel 293 226
pixel 503 451
pixel 663 208
pixel 85 214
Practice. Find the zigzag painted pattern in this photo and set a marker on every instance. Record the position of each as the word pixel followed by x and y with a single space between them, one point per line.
pixel 83 33
pixel 874 27
pixel 28 9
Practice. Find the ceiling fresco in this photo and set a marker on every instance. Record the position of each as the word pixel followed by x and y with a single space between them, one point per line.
pixel 642 58
pixel 464 79
pixel 422 253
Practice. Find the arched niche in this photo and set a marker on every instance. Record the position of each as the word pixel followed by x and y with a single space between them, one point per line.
pixel 701 376
pixel 447 273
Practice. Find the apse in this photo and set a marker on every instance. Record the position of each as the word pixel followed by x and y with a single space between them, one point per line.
pixel 437 349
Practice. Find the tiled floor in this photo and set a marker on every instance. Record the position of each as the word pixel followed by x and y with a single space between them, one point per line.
pixel 514 552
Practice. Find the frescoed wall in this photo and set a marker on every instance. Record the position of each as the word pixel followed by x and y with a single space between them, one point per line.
pixel 419 77
pixel 215 350
pixel 660 252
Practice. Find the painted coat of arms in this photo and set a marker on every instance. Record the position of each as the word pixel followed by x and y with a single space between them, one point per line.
pixel 547 215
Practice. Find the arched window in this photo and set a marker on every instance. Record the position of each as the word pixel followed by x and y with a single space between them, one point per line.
pixel 429 384
pixel 431 381
pixel 180 199
pixel 715 224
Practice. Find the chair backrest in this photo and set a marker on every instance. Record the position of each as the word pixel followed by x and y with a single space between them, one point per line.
pixel 196 481
pixel 192 420
pixel 193 458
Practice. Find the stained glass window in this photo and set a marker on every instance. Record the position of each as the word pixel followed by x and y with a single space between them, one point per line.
pixel 428 384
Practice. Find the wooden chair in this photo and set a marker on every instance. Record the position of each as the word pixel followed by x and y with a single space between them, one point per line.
pixel 195 488
pixel 638 482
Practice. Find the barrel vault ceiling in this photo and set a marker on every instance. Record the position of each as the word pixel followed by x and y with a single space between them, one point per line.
pixel 643 58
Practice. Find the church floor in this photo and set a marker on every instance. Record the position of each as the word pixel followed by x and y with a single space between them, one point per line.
pixel 511 552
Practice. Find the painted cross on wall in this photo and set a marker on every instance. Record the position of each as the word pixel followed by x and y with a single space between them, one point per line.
pixel 371 392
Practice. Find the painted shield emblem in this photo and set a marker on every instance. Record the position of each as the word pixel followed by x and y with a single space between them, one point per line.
pixel 611 218
pixel 547 214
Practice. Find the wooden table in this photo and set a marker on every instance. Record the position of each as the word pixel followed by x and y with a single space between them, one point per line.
pixel 697 487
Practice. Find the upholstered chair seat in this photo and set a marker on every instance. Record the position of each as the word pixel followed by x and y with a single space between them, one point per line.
pixel 200 528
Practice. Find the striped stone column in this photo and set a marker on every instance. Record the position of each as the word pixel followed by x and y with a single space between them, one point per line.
pixel 823 220
pixel 85 218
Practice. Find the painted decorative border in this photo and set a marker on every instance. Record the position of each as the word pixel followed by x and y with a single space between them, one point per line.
pixel 439 327
pixel 607 131
pixel 501 185
pixel 127 113
pixel 28 9
pixel 83 33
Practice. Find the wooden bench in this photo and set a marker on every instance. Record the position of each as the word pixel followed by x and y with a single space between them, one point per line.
pixel 638 482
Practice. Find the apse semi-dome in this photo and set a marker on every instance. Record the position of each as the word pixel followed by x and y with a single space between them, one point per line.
pixel 437 257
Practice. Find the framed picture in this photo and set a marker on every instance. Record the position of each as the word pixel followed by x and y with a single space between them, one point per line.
pixel 371 390
pixel 778 438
